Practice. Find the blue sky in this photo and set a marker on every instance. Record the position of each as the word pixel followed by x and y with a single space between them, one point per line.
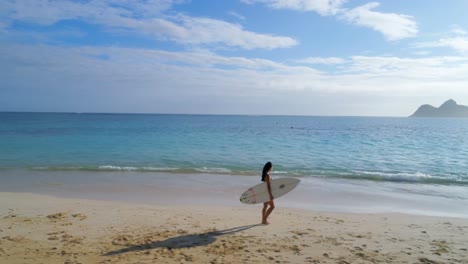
pixel 289 57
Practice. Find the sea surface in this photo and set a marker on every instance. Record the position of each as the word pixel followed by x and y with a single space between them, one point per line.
pixel 411 150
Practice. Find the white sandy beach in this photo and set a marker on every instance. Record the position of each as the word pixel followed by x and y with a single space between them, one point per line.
pixel 44 229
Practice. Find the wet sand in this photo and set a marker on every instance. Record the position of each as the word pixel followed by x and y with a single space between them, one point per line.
pixel 44 229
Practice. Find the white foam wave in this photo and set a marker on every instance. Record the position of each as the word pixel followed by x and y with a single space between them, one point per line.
pixel 159 169
pixel 410 176
pixel 280 172
pixel 213 170
pixel 111 167
pixel 400 174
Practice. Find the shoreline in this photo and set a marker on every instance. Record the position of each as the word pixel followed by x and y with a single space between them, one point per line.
pixel 315 194
pixel 374 176
pixel 328 195
pixel 39 228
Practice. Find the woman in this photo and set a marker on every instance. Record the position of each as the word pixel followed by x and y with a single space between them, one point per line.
pixel 266 178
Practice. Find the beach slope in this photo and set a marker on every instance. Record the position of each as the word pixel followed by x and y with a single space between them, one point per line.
pixel 44 229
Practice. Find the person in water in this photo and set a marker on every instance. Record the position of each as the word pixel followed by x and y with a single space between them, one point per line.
pixel 270 205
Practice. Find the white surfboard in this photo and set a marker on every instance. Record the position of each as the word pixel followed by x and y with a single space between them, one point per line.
pixel 259 193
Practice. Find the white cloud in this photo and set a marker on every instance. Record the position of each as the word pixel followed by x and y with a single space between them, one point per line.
pixel 458 30
pixel 392 26
pixel 422 52
pixel 185 29
pixel 145 17
pixel 459 44
pixel 47 12
pixel 322 7
pixel 157 77
pixel 236 15
pixel 411 66
pixel 456 39
pixel 201 58
pixel 320 60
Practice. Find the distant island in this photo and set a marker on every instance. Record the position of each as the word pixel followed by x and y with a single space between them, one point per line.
pixel 447 109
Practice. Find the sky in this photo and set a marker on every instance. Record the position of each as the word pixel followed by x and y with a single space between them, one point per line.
pixel 253 57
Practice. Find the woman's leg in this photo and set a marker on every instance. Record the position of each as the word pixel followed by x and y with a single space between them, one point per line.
pixel 268 212
pixel 264 210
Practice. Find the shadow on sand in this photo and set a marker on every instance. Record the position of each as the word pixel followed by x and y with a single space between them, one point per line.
pixel 185 241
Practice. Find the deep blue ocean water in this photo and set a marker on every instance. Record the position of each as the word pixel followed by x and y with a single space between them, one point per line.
pixel 422 150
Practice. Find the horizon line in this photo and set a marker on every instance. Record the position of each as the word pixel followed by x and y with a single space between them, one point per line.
pixel 195 114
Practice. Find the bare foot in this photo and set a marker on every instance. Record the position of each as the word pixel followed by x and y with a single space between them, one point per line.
pixel 265 222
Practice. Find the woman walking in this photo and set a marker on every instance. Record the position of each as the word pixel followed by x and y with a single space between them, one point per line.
pixel 270 205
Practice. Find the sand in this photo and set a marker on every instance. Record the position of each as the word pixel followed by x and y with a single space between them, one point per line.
pixel 44 229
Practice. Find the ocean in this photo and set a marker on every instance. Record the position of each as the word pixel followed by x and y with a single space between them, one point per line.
pixel 346 164
pixel 379 149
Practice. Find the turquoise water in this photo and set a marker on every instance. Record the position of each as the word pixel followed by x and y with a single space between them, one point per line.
pixel 419 150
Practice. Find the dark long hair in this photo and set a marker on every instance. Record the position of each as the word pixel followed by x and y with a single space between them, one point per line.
pixel 265 170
